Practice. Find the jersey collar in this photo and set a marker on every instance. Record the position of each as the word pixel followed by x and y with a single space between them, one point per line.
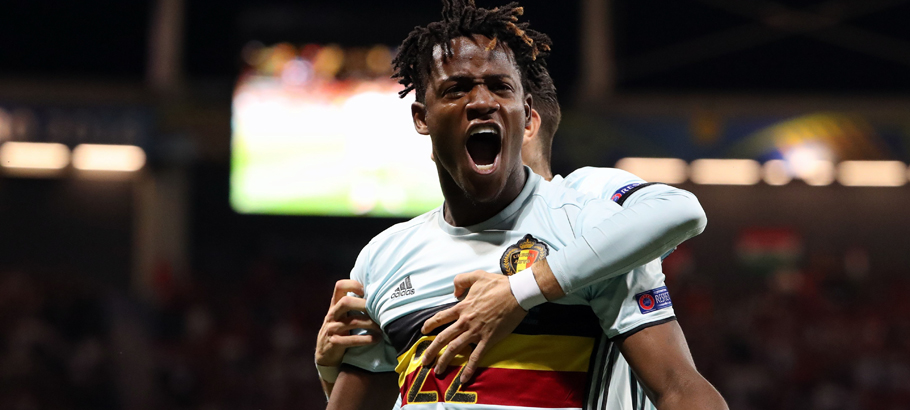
pixel 532 181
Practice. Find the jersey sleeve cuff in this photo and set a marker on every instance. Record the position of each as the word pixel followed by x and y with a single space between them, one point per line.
pixel 643 326
pixel 327 373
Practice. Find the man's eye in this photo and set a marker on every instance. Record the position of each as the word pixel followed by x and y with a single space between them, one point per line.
pixel 456 90
pixel 501 87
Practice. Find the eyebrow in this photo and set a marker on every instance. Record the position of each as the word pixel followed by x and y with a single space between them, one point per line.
pixel 464 78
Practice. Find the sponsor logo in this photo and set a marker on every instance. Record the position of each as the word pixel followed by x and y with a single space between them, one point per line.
pixel 623 191
pixel 654 299
pixel 522 255
pixel 404 289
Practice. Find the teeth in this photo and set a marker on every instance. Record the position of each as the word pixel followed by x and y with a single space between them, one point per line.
pixel 485 167
pixel 484 129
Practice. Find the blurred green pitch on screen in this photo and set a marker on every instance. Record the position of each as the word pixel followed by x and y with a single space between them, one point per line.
pixel 328 147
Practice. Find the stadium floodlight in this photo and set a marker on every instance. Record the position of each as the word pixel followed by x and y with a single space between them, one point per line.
pixel 725 172
pixel 871 173
pixel 118 158
pixel 667 170
pixel 41 157
pixel 775 172
pixel 818 173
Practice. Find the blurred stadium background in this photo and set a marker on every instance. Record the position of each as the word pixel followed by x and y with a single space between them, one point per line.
pixel 182 181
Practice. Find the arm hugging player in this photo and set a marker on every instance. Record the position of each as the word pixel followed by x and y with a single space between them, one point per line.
pixel 471 73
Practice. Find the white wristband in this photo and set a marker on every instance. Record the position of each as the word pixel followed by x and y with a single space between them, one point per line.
pixel 327 373
pixel 525 289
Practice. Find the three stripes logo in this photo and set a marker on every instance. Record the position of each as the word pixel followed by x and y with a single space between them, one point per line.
pixel 404 289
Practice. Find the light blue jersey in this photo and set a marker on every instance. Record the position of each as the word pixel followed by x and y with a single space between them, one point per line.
pixel 558 357
pixel 624 391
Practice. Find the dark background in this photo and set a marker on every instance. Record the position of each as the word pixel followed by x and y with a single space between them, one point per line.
pixel 230 321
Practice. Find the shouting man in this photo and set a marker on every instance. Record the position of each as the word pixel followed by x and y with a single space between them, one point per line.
pixel 474 74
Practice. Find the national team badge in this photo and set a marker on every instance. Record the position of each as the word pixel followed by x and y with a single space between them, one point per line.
pixel 522 255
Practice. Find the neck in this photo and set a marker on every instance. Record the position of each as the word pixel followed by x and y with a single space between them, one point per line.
pixel 461 210
pixel 543 171
pixel 540 167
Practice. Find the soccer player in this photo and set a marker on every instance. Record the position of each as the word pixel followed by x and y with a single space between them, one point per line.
pixel 665 214
pixel 470 108
pixel 656 219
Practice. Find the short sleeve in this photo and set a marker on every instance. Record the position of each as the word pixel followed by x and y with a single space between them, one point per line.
pixel 374 358
pixel 632 302
pixel 361 266
pixel 361 273
pixel 377 357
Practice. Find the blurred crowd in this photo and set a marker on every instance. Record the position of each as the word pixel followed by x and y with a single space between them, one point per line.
pixel 67 343
pixel 818 337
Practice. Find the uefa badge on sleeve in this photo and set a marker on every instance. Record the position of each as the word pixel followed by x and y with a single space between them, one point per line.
pixel 654 299
pixel 623 191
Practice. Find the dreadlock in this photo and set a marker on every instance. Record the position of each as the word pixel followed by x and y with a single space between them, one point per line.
pixel 462 18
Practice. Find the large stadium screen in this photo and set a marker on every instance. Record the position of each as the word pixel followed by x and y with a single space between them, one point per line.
pixel 320 130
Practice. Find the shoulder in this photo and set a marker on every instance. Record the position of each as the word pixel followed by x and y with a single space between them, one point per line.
pixel 602 182
pixel 599 174
pixel 393 239
pixel 403 229
pixel 559 195
pixel 577 206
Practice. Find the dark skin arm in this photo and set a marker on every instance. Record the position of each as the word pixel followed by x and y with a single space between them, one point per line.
pixel 357 389
pixel 490 301
pixel 675 383
pixel 334 336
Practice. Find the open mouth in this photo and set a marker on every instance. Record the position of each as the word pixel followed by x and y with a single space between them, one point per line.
pixel 484 145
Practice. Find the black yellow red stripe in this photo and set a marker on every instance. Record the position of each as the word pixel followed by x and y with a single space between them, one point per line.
pixel 522 370
pixel 507 387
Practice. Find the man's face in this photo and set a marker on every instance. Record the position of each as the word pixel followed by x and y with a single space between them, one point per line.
pixel 476 113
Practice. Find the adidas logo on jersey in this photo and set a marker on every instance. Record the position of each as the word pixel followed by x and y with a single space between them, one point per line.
pixel 404 289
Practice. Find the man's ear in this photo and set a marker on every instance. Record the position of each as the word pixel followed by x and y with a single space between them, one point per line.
pixel 529 106
pixel 419 113
pixel 531 129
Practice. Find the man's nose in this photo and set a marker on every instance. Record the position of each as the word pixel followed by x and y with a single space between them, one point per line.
pixel 482 103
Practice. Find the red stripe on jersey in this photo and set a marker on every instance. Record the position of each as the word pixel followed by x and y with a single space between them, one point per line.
pixel 507 387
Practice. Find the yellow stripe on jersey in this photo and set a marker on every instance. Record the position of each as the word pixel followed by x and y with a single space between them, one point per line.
pixel 521 352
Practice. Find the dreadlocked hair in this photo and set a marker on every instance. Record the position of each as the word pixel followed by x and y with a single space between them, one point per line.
pixel 462 18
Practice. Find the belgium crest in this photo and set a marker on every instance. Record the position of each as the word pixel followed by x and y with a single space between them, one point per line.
pixel 522 255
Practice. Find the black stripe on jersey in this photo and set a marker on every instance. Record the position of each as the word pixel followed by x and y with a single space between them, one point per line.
pixel 643 327
pixel 642 398
pixel 614 354
pixel 405 331
pixel 545 319
pixel 623 198
pixel 595 364
pixel 560 320
pixel 633 388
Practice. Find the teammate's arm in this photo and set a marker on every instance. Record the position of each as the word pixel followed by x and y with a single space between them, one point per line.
pixel 358 389
pixel 660 358
pixel 660 218
pixel 654 220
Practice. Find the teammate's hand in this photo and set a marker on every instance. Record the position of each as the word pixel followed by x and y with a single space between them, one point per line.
pixel 334 336
pixel 487 315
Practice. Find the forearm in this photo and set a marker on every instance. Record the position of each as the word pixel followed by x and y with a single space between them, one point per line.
pixel 699 395
pixel 632 237
pixel 358 389
pixel 327 388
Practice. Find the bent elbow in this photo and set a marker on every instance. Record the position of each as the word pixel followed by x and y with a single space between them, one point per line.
pixel 698 219
pixel 693 219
